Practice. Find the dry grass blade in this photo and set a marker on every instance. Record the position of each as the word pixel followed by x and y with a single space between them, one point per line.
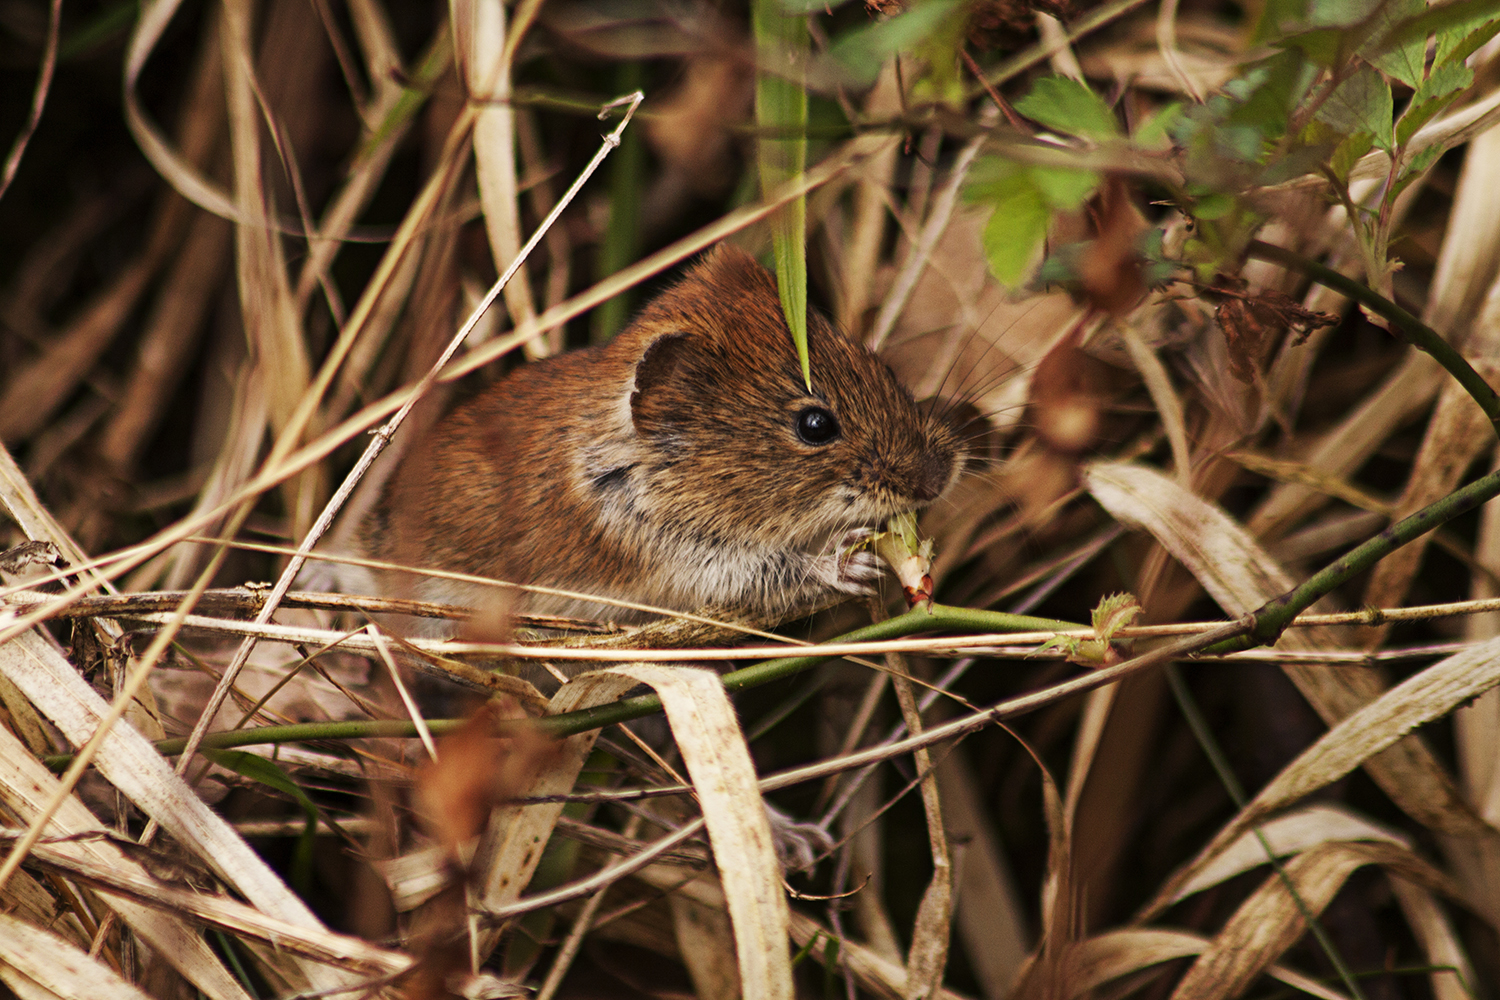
pixel 1096 961
pixel 881 976
pixel 707 732
pixel 133 766
pixel 37 964
pixel 1142 409
pixel 1271 920
pixel 479 27
pixel 1428 695
pixel 26 787
pixel 130 882
pixel 1292 833
pixel 512 844
pixel 1239 575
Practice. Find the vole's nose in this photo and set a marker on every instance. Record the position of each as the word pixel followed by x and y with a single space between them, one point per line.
pixel 931 477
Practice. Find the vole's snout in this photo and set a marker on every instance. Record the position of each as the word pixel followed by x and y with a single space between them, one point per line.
pixel 931 476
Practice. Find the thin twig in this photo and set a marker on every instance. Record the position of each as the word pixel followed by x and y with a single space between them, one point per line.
pixel 1419 334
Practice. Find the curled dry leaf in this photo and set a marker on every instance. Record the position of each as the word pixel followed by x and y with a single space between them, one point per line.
pixel 1251 321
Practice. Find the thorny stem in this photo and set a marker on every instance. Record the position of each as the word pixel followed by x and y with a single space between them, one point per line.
pixel 1419 334
pixel 1273 617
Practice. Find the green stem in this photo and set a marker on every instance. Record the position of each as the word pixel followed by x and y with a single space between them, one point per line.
pixel 1419 334
pixel 941 617
pixel 1273 617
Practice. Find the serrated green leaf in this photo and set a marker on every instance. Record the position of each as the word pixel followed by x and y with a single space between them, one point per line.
pixel 1404 60
pixel 263 771
pixel 1114 613
pixel 1459 41
pixel 1437 92
pixel 863 51
pixel 1064 105
pixel 1362 103
pixel 781 110
pixel 1448 80
pixel 1348 154
pixel 1016 228
pixel 1155 133
pixel 1458 18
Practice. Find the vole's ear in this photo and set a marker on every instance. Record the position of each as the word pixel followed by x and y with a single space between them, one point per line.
pixel 650 408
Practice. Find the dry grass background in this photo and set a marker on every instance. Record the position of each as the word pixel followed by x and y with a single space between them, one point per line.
pixel 179 359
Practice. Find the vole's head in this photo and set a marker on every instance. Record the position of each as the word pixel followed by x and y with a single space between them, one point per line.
pixel 740 448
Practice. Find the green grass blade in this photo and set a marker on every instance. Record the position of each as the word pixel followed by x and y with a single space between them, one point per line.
pixel 781 116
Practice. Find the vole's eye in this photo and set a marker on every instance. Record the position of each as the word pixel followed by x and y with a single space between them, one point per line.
pixel 816 425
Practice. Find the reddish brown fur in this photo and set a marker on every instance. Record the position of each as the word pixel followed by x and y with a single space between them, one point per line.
pixel 665 466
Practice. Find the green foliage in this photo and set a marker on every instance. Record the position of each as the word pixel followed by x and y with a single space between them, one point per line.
pixel 863 51
pixel 1063 104
pixel 1345 79
pixel 1022 200
pixel 1112 614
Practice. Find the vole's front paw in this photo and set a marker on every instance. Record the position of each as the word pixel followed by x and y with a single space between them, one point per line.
pixel 850 568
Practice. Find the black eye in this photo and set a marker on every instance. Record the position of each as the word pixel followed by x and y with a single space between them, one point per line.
pixel 816 425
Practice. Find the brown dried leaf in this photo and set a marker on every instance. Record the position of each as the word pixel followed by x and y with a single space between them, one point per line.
pixel 476 770
pixel 1271 920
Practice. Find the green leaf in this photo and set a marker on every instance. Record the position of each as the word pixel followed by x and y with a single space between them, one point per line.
pixel 1459 41
pixel 1113 613
pixel 1414 168
pixel 1065 105
pixel 1063 189
pixel 1155 134
pixel 1277 20
pixel 1016 229
pixel 1213 206
pixel 1404 60
pixel 1265 96
pixel 1362 103
pixel 1341 13
pixel 1348 154
pixel 781 110
pixel 259 769
pixel 1458 17
pixel 1324 46
pixel 863 51
pixel 1437 92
